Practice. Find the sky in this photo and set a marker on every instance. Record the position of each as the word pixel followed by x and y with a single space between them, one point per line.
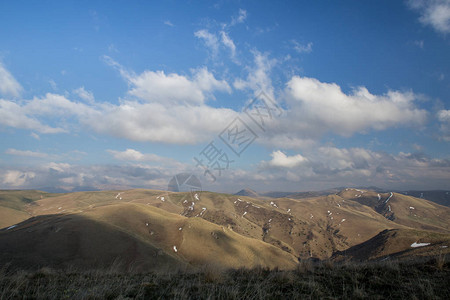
pixel 267 95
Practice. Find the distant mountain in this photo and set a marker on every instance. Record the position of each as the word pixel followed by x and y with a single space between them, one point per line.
pixel 438 196
pixel 71 190
pixel 247 192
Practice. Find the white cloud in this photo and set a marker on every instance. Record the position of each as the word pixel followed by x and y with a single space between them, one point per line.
pixel 279 159
pixel 170 89
pixel 444 118
pixel 134 155
pixel 27 153
pixel 14 115
pixel 16 178
pixel 258 78
pixel 170 108
pixel 211 40
pixel 299 48
pixel 240 18
pixel 316 107
pixel 325 167
pixel 158 123
pixel 228 42
pixel 435 13
pixel 67 176
pixel 8 84
pixel 85 95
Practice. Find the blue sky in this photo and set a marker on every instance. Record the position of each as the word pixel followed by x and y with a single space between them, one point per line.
pixel 128 93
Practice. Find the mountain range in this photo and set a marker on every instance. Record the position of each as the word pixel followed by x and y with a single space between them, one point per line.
pixel 157 230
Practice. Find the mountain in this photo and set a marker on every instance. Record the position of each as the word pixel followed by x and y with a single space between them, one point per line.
pixel 247 192
pixel 153 229
pixel 439 197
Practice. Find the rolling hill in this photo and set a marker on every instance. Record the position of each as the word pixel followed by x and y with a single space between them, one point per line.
pixel 150 229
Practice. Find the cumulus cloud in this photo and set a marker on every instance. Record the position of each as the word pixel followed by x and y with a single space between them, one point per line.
pixel 16 178
pixel 134 155
pixel 319 107
pixel 279 159
pixel 326 166
pixel 158 123
pixel 168 108
pixel 67 176
pixel 435 13
pixel 172 89
pixel 16 116
pixel 8 84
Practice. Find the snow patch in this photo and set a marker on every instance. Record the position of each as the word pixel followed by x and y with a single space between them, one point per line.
pixel 175 248
pixel 244 213
pixel 196 197
pixel 379 197
pixel 411 207
pixel 203 210
pixel 389 198
pixel 343 220
pixel 11 227
pixel 181 228
pixel 415 245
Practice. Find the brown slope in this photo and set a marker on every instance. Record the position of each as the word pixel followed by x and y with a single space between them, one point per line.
pixel 139 235
pixel 404 210
pixel 307 227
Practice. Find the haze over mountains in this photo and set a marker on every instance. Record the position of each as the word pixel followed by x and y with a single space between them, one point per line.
pixel 150 229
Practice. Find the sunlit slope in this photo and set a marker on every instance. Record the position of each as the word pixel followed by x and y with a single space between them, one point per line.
pixel 300 228
pixel 15 205
pixel 138 235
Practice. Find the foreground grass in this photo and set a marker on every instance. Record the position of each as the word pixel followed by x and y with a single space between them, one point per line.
pixel 387 280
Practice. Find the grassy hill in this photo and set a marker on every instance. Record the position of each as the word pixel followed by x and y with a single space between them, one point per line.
pixel 158 229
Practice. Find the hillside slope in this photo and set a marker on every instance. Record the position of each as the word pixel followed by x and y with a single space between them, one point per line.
pixel 135 235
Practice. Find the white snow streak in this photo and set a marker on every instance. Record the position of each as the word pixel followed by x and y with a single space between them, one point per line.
pixel 415 245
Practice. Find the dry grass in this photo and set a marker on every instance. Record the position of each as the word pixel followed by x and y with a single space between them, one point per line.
pixel 415 280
